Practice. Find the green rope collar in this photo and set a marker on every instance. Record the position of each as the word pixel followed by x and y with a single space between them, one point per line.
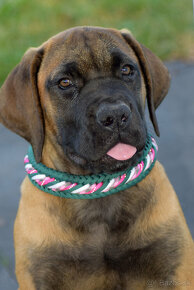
pixel 89 186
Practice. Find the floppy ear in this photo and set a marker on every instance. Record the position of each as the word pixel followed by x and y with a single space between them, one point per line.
pixel 156 76
pixel 20 109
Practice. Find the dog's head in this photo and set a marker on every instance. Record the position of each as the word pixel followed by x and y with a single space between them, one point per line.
pixel 82 93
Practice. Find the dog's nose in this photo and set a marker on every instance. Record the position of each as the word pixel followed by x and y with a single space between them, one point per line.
pixel 113 115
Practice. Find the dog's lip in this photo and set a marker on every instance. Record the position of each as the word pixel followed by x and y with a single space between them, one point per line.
pixel 77 158
pixel 112 165
pixel 105 158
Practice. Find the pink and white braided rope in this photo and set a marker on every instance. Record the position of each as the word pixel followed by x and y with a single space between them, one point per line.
pixel 43 180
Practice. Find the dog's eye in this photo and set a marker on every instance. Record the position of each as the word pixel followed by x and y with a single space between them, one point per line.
pixel 128 70
pixel 65 83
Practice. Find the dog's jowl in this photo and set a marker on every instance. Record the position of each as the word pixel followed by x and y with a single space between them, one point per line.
pixel 97 210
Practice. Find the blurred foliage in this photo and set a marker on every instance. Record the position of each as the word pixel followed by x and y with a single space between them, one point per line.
pixel 166 27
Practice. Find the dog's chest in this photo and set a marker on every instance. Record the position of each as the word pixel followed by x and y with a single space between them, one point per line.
pixel 102 256
pixel 96 264
pixel 96 254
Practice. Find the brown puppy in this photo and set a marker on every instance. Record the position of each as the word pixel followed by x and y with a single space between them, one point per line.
pixel 135 239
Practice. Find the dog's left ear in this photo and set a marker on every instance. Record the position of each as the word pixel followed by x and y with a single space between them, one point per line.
pixel 156 75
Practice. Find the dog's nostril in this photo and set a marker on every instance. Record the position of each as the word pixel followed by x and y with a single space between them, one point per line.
pixel 108 122
pixel 124 118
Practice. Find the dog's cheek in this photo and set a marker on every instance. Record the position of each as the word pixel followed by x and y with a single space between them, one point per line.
pixel 85 144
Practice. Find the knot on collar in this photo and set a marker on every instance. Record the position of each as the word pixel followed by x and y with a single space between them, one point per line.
pixel 67 185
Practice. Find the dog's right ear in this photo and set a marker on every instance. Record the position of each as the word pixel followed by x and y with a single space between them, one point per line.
pixel 20 109
pixel 156 76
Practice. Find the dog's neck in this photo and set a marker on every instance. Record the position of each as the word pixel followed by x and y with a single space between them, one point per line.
pixel 66 185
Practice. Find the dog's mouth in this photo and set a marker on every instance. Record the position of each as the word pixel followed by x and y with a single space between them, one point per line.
pixel 117 158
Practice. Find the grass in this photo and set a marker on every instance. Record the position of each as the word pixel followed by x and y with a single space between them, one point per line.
pixel 166 27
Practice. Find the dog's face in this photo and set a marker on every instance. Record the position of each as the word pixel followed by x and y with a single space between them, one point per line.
pixel 91 88
pixel 84 91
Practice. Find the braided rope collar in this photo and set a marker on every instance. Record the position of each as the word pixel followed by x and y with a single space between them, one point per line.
pixel 89 186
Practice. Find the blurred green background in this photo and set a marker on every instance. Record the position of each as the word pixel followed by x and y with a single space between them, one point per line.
pixel 166 27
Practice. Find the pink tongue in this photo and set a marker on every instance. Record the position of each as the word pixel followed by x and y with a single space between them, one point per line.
pixel 122 151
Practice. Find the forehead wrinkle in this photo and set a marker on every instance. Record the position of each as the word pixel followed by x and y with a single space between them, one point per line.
pixel 92 47
pixel 92 53
pixel 91 50
pixel 64 68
